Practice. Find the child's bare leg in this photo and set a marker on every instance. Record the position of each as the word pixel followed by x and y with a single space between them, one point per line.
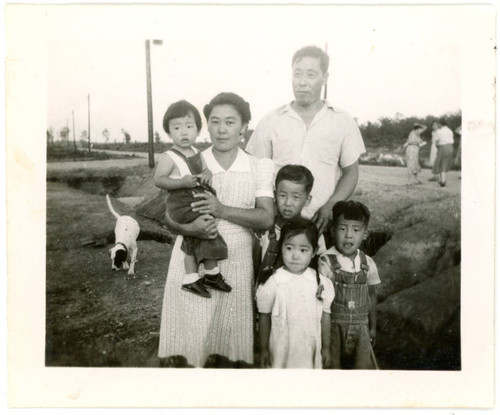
pixel 190 264
pixel 210 264
pixel 191 281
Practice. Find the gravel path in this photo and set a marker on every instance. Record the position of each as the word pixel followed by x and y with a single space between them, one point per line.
pixel 381 174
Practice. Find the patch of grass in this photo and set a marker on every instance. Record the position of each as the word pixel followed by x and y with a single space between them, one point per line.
pixel 57 152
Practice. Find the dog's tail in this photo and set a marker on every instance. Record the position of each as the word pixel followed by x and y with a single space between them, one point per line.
pixel 116 215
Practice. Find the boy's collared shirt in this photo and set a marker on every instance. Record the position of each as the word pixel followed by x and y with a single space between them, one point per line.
pixel 326 268
pixel 264 239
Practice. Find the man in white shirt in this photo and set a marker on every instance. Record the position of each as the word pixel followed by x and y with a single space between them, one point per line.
pixel 311 132
pixel 444 157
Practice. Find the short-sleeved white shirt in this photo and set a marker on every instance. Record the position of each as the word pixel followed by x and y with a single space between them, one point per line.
pixel 295 338
pixel 331 142
pixel 444 136
pixel 347 264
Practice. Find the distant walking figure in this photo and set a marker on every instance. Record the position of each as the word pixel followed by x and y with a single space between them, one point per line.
pixel 444 158
pixel 458 156
pixel 433 155
pixel 412 147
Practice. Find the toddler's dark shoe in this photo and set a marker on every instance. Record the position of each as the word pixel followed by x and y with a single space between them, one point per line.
pixel 197 288
pixel 216 282
pixel 442 184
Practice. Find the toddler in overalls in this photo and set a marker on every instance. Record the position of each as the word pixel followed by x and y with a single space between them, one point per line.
pixel 354 275
pixel 183 173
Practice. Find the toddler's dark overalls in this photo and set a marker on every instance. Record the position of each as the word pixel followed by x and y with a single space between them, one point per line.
pixel 350 337
pixel 180 210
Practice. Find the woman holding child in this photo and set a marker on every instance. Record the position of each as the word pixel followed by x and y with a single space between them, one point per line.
pixel 214 329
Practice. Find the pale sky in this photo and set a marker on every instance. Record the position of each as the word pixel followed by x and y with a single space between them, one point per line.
pixel 383 60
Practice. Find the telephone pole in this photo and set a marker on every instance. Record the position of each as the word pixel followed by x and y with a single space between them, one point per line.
pixel 151 150
pixel 88 106
pixel 74 140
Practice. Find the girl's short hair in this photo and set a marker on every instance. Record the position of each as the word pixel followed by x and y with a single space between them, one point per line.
pixel 300 226
pixel 181 109
pixel 297 174
pixel 293 228
pixel 351 210
pixel 229 98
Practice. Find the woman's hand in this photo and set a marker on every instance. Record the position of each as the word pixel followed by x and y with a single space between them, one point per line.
pixel 208 204
pixel 204 227
pixel 265 358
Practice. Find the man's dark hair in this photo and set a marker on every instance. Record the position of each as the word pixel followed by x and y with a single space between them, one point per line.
pixel 313 52
pixel 181 109
pixel 297 174
pixel 351 210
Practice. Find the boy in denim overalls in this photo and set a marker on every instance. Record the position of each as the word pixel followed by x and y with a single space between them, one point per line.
pixel 354 275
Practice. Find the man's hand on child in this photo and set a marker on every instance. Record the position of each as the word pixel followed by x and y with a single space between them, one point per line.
pixel 265 358
pixel 323 217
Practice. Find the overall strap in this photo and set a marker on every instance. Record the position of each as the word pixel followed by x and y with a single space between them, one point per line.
pixel 334 261
pixel 180 161
pixel 364 263
pixel 180 154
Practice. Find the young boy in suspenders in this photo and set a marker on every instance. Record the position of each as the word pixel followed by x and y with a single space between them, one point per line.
pixel 354 276
pixel 293 187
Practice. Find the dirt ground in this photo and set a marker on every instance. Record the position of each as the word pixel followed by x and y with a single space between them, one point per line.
pixel 96 317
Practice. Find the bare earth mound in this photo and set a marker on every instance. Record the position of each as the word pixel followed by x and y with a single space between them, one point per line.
pixel 99 317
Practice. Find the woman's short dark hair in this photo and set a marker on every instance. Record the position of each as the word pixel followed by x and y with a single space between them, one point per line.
pixel 313 52
pixel 296 174
pixel 351 210
pixel 181 109
pixel 229 98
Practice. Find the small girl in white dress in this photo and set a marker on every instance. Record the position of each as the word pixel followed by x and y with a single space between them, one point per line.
pixel 294 303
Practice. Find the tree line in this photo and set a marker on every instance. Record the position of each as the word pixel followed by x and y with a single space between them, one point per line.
pixel 391 133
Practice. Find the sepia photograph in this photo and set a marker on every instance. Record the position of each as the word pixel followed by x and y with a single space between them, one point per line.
pixel 229 198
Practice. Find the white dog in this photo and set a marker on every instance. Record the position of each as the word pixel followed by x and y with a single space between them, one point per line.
pixel 126 233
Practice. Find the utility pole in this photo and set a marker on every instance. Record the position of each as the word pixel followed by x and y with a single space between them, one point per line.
pixel 74 140
pixel 88 106
pixel 150 102
pixel 150 107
